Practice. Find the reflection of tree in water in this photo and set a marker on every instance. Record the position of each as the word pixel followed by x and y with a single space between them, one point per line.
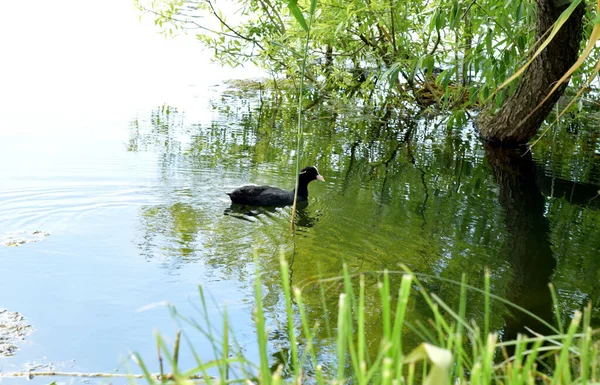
pixel 399 190
pixel 171 232
pixel 160 133
pixel 527 244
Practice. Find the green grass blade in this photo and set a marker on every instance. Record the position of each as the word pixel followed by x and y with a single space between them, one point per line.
pixel 342 337
pixel 556 307
pixel 386 312
pixel 486 309
pixel 285 280
pixel 361 337
pixel 563 370
pixel 260 324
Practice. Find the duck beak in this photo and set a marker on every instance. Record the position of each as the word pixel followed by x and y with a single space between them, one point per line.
pixel 320 177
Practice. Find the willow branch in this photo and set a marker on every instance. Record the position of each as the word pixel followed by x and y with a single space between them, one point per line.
pixel 199 26
pixel 215 14
pixel 266 5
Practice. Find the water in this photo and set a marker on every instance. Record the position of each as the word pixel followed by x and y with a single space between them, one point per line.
pixel 123 159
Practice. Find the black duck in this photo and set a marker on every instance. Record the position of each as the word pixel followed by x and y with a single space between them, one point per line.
pixel 273 196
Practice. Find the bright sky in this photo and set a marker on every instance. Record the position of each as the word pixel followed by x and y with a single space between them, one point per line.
pixel 69 49
pixel 82 55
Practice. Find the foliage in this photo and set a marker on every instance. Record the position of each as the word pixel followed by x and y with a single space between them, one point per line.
pixel 403 190
pixel 454 348
pixel 415 47
pixel 446 53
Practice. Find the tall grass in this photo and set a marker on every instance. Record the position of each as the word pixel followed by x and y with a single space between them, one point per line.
pixel 458 351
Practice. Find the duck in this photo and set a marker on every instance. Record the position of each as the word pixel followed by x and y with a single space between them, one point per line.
pixel 273 196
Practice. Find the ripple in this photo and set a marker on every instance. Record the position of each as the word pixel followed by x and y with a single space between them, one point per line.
pixel 64 191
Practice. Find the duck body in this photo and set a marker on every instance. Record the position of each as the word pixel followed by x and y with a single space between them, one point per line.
pixel 263 196
pixel 273 196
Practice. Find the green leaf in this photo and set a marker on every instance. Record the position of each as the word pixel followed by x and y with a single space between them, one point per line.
pixel 473 95
pixel 428 64
pixel 313 6
pixel 441 360
pixel 485 92
pixel 488 42
pixel 519 12
pixel 440 21
pixel 450 122
pixel 392 74
pixel 447 78
pixel 432 20
pixel 455 15
pixel 522 42
pixel 297 13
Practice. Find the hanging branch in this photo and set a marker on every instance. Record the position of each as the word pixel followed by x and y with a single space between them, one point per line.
pixel 300 18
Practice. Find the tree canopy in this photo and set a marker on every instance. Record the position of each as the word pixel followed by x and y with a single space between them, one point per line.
pixel 451 54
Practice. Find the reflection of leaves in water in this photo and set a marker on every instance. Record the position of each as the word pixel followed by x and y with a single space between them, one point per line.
pixel 160 134
pixel 400 190
pixel 171 231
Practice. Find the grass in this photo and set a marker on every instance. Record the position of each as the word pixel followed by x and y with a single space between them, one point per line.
pixel 458 351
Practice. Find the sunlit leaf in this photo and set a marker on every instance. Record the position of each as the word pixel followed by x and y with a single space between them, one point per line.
pixel 313 6
pixel 440 20
pixel 519 12
pixel 297 13
pixel 454 14
pixel 440 359
pixel 488 42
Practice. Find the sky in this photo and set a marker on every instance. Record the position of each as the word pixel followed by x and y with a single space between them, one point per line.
pixel 69 59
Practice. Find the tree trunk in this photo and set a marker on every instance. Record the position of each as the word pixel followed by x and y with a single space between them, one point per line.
pixel 510 125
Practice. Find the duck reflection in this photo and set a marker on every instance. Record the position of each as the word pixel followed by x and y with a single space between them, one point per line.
pixel 249 213
pixel 304 217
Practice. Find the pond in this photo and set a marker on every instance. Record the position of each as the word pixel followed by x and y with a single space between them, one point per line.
pixel 112 207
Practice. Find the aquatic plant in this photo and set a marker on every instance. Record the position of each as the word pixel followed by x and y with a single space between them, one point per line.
pixel 454 349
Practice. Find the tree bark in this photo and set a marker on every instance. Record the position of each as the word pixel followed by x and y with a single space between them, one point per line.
pixel 511 126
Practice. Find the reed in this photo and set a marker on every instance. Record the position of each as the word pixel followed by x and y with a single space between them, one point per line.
pixel 457 350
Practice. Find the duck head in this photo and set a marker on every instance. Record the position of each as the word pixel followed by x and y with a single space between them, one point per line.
pixel 310 173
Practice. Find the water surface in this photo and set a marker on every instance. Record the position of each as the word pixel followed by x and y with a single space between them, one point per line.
pixel 131 192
